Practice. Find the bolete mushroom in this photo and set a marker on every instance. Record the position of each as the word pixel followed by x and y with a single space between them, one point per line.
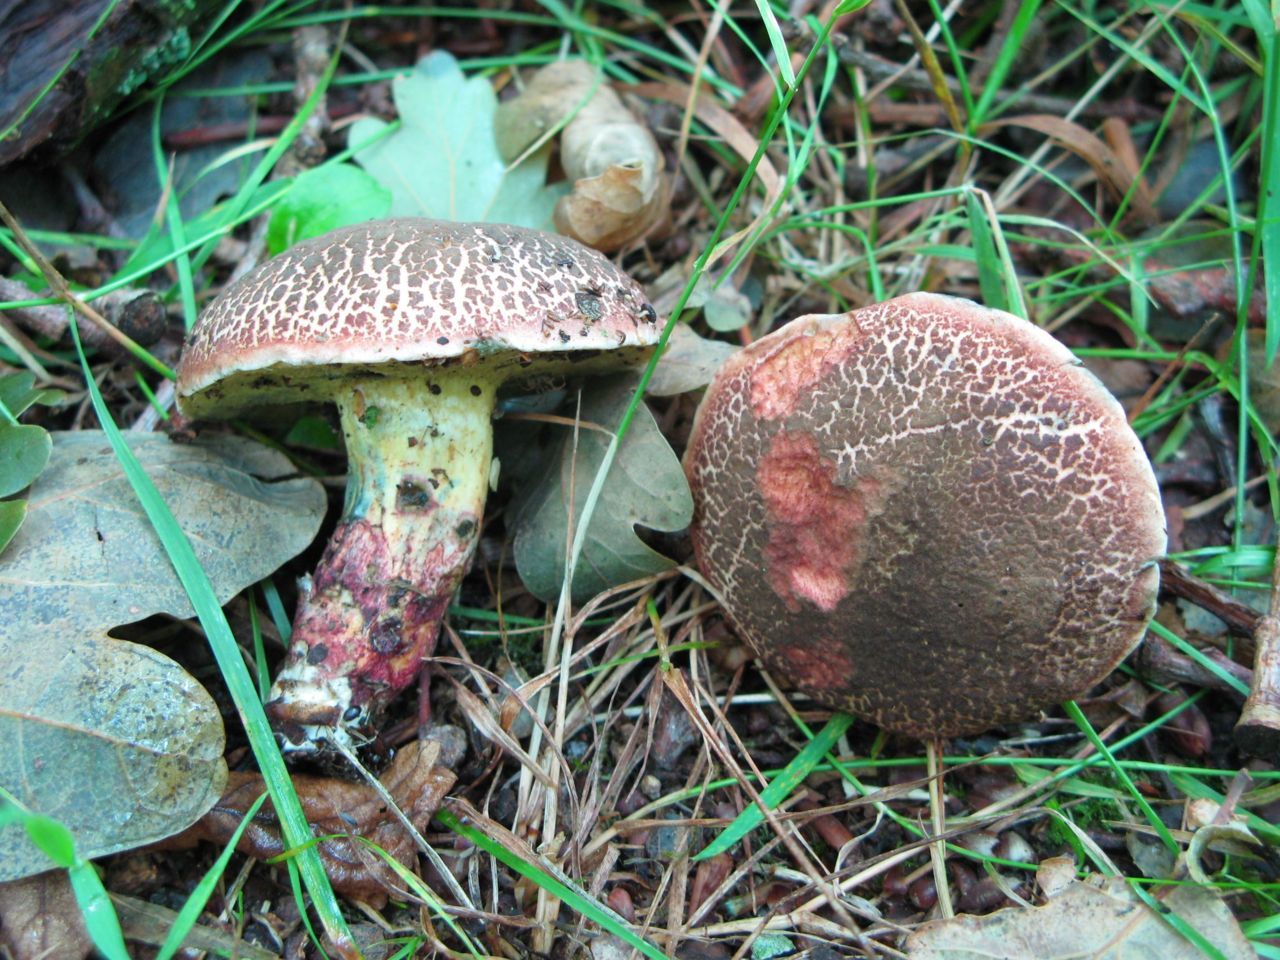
pixel 411 327
pixel 926 513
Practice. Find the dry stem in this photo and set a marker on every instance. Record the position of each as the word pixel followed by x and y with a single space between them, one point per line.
pixel 1258 730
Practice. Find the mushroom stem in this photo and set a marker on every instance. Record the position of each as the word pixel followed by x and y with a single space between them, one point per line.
pixel 418 473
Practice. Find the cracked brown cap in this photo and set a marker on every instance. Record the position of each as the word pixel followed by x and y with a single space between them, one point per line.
pixel 926 513
pixel 408 291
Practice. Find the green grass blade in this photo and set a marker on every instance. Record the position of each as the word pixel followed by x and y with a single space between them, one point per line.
pixel 1178 923
pixel 563 890
pixel 100 917
pixel 56 842
pixel 1012 49
pixel 1077 715
pixel 776 41
pixel 987 258
pixel 191 910
pixel 781 787
pixel 1267 236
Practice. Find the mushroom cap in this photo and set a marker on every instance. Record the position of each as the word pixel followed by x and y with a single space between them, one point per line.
pixel 926 513
pixel 408 291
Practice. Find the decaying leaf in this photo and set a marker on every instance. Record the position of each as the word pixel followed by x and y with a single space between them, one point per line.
pixel 646 486
pixel 112 738
pixel 611 157
pixel 1102 919
pixel 146 737
pixel 1109 167
pixel 39 918
pixel 443 160
pixel 338 811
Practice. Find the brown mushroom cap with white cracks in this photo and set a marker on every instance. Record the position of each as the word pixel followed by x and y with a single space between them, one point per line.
pixel 408 291
pixel 411 327
pixel 926 513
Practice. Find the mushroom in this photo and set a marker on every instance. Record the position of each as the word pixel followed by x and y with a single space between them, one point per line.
pixel 926 513
pixel 411 327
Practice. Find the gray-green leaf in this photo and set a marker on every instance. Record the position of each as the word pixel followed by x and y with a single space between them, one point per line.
pixel 646 486
pixel 87 554
pixel 111 738
pixel 18 392
pixel 443 160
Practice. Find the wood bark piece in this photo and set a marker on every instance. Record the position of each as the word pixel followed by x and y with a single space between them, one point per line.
pixel 1258 729
pixel 138 314
pixel 39 38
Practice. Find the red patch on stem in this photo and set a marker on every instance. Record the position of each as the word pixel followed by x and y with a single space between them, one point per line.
pixel 815 525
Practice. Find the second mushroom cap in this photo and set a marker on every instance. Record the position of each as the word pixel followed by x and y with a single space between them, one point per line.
pixel 926 513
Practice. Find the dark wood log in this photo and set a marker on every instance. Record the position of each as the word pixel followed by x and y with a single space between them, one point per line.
pixel 139 41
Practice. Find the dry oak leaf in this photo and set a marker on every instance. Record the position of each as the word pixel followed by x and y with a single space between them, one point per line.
pixel 1099 919
pixel 110 737
pixel 619 190
pixel 338 811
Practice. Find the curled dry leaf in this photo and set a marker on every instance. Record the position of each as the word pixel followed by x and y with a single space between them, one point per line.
pixel 608 153
pixel 340 811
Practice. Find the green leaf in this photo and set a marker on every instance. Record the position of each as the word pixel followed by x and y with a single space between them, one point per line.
pixel 323 199
pixel 24 451
pixel 646 486
pixel 12 513
pixel 18 392
pixel 53 839
pixel 443 160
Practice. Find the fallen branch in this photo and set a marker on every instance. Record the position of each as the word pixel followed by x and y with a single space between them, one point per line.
pixel 1258 730
pixel 138 314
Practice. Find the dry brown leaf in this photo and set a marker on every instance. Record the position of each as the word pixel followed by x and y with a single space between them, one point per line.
pixel 723 124
pixel 39 918
pixel 1101 920
pixel 739 138
pixel 1093 150
pixel 610 155
pixel 340 811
